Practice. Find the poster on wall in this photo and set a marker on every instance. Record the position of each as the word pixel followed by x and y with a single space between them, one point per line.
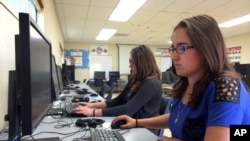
pixel 99 49
pixel 234 53
pixel 81 59
pixel 162 52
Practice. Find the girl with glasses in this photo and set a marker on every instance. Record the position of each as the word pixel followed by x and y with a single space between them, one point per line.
pixel 209 95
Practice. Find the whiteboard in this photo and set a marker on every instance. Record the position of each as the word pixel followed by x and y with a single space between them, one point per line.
pixel 124 54
pixel 100 63
pixel 166 62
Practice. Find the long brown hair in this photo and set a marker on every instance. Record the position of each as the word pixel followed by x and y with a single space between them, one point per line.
pixel 145 64
pixel 207 39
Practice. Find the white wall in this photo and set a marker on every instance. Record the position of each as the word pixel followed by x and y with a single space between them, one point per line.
pixel 243 41
pixel 8 29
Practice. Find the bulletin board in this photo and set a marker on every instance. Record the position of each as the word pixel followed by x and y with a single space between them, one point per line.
pixel 100 63
pixel 81 56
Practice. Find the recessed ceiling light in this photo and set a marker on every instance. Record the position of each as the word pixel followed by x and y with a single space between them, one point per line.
pixel 126 9
pixel 236 21
pixel 106 34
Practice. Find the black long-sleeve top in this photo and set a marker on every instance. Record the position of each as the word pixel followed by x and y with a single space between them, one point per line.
pixel 142 104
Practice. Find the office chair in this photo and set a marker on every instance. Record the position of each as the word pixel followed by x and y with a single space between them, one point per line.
pixel 103 90
pixel 111 89
pixel 89 83
pixel 111 81
pixel 98 82
pixel 84 80
pixel 165 108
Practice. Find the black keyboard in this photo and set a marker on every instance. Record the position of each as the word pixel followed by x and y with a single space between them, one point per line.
pixel 105 135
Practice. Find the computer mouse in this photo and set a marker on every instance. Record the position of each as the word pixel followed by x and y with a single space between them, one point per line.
pixel 77 87
pixel 93 94
pixel 117 124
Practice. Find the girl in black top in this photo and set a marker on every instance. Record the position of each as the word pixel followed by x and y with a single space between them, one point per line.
pixel 142 95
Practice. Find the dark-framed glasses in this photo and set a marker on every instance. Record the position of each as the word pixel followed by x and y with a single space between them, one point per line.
pixel 131 62
pixel 179 49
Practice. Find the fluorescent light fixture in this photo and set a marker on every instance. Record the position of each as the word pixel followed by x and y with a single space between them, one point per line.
pixel 236 21
pixel 126 9
pixel 105 34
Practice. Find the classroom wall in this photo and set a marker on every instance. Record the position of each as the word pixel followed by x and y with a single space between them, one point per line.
pixel 8 28
pixel 243 41
pixel 80 74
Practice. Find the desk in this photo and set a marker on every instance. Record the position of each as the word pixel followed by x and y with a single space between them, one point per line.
pixel 135 134
pixel 73 93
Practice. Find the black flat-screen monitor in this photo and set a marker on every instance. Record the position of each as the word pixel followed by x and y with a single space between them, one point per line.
pixel 114 75
pixel 66 77
pixel 99 74
pixel 33 70
pixel 163 77
pixel 13 110
pixel 55 79
pixel 59 72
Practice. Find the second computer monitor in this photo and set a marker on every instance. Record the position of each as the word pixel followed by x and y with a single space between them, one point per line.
pixel 99 75
pixel 114 75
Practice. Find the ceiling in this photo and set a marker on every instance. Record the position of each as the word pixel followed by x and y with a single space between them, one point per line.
pixel 82 20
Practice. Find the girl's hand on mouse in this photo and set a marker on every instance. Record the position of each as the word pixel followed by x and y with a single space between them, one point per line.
pixel 130 122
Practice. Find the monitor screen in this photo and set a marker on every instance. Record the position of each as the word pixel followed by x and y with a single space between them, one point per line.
pixel 66 77
pixel 55 80
pixel 163 77
pixel 114 75
pixel 99 75
pixel 33 66
pixel 59 72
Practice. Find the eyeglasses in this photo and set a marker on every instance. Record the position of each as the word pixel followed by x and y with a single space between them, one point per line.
pixel 131 62
pixel 179 49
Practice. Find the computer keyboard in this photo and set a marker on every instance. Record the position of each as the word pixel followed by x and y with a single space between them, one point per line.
pixel 68 111
pixel 105 135
pixel 55 112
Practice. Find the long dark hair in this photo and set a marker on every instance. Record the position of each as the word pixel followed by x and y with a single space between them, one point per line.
pixel 145 64
pixel 207 39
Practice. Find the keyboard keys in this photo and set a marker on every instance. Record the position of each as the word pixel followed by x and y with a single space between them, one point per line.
pixel 105 135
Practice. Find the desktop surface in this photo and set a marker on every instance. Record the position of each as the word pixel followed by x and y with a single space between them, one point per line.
pixel 50 127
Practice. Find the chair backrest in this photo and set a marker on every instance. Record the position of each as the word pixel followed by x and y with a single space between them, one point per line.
pixel 90 83
pixel 111 89
pixel 98 82
pixel 111 81
pixel 165 108
pixel 84 80
pixel 103 90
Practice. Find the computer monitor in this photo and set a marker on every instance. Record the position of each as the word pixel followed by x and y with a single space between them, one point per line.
pixel 33 71
pixel 55 79
pixel 114 75
pixel 59 72
pixel 66 77
pixel 13 109
pixel 163 77
pixel 99 75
